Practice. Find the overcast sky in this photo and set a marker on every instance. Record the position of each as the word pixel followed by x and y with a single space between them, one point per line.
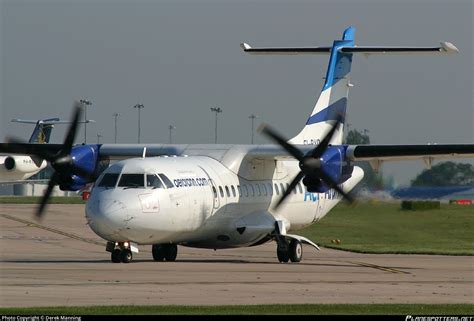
pixel 179 58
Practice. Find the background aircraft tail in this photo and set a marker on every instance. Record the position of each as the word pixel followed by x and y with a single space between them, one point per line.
pixel 42 132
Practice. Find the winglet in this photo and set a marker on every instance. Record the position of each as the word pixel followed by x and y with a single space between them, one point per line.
pixel 245 46
pixel 449 47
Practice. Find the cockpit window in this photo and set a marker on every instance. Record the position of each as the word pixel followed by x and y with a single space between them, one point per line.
pixel 131 180
pixel 153 181
pixel 166 181
pixel 109 180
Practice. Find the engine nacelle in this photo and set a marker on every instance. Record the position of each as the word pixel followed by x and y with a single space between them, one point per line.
pixel 85 157
pixel 23 165
pixel 335 165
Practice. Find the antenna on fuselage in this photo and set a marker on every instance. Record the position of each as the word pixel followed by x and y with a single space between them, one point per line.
pixel 144 152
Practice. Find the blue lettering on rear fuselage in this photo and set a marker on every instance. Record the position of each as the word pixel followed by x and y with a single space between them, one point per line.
pixel 311 196
pixel 190 182
pixel 329 195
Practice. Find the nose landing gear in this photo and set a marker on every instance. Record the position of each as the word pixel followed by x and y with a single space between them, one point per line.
pixel 120 252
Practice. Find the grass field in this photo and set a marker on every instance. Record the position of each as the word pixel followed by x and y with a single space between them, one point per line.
pixel 346 309
pixel 377 227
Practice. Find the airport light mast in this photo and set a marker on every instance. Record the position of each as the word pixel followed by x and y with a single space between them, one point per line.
pixel 252 118
pixel 171 127
pixel 216 110
pixel 139 107
pixel 85 103
pixel 116 115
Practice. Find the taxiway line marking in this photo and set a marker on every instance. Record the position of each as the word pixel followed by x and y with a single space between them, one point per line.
pixel 50 229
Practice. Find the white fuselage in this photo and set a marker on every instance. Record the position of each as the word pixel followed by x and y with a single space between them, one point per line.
pixel 208 206
pixel 19 167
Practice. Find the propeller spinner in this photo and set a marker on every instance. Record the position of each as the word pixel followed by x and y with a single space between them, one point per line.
pixel 310 164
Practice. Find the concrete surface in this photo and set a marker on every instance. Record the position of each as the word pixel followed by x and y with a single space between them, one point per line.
pixel 62 262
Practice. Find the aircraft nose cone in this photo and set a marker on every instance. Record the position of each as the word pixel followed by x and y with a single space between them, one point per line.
pixel 107 216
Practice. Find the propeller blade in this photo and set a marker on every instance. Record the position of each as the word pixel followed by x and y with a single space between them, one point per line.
pixel 292 186
pixel 46 196
pixel 71 134
pixel 319 150
pixel 328 180
pixel 292 150
pixel 44 151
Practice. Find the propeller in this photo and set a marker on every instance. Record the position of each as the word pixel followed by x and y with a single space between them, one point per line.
pixel 58 155
pixel 310 164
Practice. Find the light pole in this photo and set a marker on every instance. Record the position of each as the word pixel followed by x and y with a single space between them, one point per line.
pixel 85 103
pixel 252 118
pixel 171 127
pixel 139 107
pixel 216 110
pixel 116 115
pixel 98 138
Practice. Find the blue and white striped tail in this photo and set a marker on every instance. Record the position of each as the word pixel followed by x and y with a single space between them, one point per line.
pixel 332 101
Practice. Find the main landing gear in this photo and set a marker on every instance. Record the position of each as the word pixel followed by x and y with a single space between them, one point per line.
pixel 120 252
pixel 289 251
pixel 162 252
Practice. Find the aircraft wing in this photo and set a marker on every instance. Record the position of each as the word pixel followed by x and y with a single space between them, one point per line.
pixel 231 153
pixel 407 152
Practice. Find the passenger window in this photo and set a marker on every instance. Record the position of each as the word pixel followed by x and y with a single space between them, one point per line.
pixel 166 180
pixel 153 181
pixel 214 191
pixel 258 190
pixel 264 189
pixel 270 189
pixel 252 189
pixel 300 190
pixel 227 191
pixel 276 189
pixel 239 190
pixel 233 190
pixel 132 180
pixel 109 180
pixel 282 188
pixel 221 191
pixel 246 191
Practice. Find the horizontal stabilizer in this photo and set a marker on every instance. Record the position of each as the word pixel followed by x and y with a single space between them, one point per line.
pixel 52 121
pixel 285 50
pixel 445 48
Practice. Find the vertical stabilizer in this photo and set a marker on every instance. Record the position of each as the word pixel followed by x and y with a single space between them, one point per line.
pixel 332 101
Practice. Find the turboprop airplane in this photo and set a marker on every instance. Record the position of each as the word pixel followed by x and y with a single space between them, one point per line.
pixel 17 168
pixel 228 196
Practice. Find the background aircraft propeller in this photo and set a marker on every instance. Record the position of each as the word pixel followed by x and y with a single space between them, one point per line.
pixel 310 164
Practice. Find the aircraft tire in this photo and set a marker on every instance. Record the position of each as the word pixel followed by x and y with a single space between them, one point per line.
pixel 115 256
pixel 283 256
pixel 171 252
pixel 295 251
pixel 126 256
pixel 158 252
